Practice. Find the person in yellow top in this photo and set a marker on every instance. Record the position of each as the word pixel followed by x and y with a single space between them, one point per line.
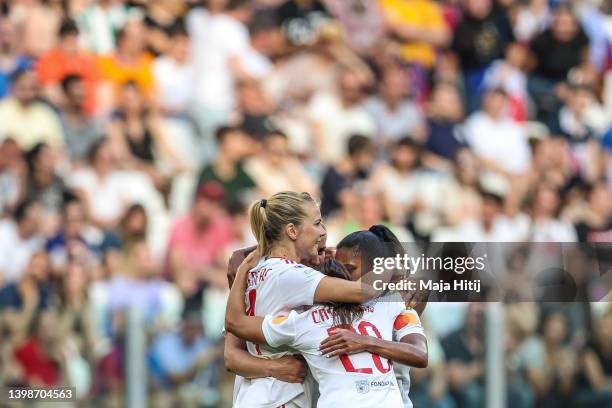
pixel 420 28
pixel 130 63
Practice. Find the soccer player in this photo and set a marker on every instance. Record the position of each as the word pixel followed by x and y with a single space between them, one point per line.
pixel 288 227
pixel 357 252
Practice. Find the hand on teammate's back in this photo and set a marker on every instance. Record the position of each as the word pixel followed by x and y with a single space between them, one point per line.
pixel 342 341
pixel 289 369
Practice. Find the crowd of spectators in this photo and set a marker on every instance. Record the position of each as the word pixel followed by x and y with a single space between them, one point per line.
pixel 134 135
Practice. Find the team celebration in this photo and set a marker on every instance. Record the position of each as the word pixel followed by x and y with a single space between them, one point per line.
pixel 306 203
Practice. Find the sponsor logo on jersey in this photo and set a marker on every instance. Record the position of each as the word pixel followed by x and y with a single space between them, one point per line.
pixel 363 386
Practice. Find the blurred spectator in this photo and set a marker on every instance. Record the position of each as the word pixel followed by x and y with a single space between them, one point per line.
pixel 340 179
pixel 139 285
pixel 556 50
pixel 595 224
pixel 26 119
pixel 39 21
pixel 362 23
pixel 301 20
pixel 219 39
pixel 256 108
pixel 130 62
pixel 100 22
pixel 81 130
pixel 464 200
pixel 548 363
pixel 133 226
pixel 40 355
pixel 479 39
pixel 22 299
pixel 76 239
pixel 531 19
pixel 428 386
pixel 593 382
pixel 275 169
pixel 12 171
pixel 75 315
pixel 400 181
pixel 509 74
pixel 177 360
pixel 175 75
pixel 161 19
pixel 419 26
pixel 241 228
pixel 444 114
pixel 581 117
pixel 68 59
pixel 500 143
pixel 464 351
pixel 545 225
pixel 19 239
pixel 43 184
pixel 491 225
pixel 394 113
pixel 266 43
pixel 197 244
pixel 11 60
pixel 100 187
pixel 139 138
pixel 363 208
pixel 227 168
pixel 335 117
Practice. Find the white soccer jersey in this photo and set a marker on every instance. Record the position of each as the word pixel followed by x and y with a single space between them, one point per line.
pixel 275 287
pixel 359 380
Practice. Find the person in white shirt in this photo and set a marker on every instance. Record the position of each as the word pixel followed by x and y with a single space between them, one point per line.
pixel 336 117
pixel 499 142
pixel 19 240
pixel 490 226
pixel 175 75
pixel 219 40
pixel 395 114
pixel 100 187
pixel 543 223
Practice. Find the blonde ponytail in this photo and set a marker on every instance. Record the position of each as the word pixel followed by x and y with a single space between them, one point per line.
pixel 268 217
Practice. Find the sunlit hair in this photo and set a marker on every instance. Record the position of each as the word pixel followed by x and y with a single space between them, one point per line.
pixel 269 217
pixel 344 313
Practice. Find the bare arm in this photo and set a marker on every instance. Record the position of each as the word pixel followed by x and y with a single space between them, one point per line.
pixel 241 362
pixel 340 290
pixel 460 373
pixel 410 350
pixel 594 372
pixel 436 36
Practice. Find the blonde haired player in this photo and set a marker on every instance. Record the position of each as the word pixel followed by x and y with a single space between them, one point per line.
pixel 288 227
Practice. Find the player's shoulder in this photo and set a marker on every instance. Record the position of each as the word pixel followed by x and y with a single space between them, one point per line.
pixel 389 303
